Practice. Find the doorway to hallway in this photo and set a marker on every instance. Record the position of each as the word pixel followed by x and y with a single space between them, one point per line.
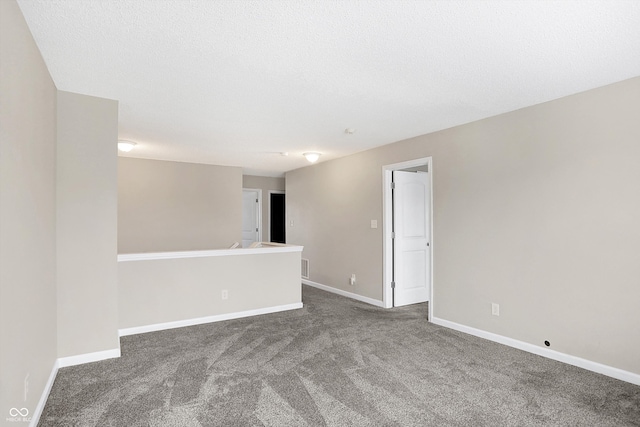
pixel 407 233
pixel 277 221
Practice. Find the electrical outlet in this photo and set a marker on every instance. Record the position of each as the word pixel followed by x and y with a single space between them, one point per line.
pixel 352 281
pixel 495 309
pixel 225 294
pixel 374 223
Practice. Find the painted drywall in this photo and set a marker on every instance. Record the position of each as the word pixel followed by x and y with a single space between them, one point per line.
pixel 87 269
pixel 331 206
pixel 169 290
pixel 27 216
pixel 536 210
pixel 265 184
pixel 174 206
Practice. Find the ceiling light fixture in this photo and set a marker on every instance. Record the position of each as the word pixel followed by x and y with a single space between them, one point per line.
pixel 349 131
pixel 126 146
pixel 312 157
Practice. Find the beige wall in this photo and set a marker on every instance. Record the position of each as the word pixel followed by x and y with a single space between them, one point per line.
pixel 169 290
pixel 536 210
pixel 265 184
pixel 331 205
pixel 173 206
pixel 27 216
pixel 87 224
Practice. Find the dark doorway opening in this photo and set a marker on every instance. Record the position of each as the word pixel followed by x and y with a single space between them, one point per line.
pixel 278 223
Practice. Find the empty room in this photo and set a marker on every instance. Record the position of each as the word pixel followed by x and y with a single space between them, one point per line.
pixel 319 213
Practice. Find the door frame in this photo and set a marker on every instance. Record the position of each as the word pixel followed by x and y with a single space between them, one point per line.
pixel 269 212
pixel 259 191
pixel 387 227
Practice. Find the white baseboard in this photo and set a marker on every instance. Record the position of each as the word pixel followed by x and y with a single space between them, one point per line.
pixel 35 416
pixel 351 295
pixel 63 362
pixel 589 365
pixel 209 319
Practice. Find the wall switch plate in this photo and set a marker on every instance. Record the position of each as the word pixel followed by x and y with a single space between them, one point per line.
pixel 225 294
pixel 374 223
pixel 495 309
pixel 291 223
pixel 352 281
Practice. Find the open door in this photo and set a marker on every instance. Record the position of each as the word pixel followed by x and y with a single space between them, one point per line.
pixel 277 222
pixel 251 213
pixel 411 237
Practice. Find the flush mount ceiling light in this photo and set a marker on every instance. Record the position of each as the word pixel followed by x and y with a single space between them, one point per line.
pixel 126 146
pixel 349 131
pixel 312 157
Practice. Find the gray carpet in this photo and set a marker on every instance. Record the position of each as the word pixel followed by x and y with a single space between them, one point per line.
pixel 336 362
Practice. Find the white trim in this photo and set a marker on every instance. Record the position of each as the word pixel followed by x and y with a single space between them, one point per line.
pixel 431 305
pixel 208 319
pixel 589 365
pixel 351 295
pixel 63 362
pixel 35 416
pixel 266 248
pixel 269 213
pixel 387 226
pixel 387 244
pixel 80 359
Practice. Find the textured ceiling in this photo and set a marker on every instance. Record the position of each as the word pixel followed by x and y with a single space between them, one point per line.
pixel 236 82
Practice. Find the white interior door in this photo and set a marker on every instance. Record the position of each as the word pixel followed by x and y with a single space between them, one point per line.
pixel 250 217
pixel 411 243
